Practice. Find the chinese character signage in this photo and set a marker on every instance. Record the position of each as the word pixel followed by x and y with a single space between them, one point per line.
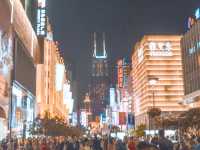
pixel 160 48
pixel 41 18
pixel 120 73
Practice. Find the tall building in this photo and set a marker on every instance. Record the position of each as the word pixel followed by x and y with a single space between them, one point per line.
pixel 190 45
pixel 51 78
pixel 157 76
pixel 99 81
pixel 19 52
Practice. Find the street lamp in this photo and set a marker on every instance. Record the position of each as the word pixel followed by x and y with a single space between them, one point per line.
pixel 152 82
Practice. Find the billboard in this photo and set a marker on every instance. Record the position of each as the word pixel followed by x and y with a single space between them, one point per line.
pixel 83 118
pixel 115 118
pixel 123 70
pixel 112 97
pixel 122 118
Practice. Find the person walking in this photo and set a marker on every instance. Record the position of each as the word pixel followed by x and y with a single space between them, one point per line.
pixel 44 146
pixel 164 143
pixel 131 144
pixel 121 145
pixel 96 144
pixel 197 146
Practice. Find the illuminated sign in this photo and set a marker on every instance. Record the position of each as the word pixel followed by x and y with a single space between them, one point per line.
pixel 60 69
pixel 140 54
pixel 160 48
pixel 66 91
pixel 41 18
pixel 112 97
pixel 120 73
pixel 126 71
pixel 122 118
pixel 83 118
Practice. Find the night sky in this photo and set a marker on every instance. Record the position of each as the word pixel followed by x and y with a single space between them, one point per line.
pixel 125 21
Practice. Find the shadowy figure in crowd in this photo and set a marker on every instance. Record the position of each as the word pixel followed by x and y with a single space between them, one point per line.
pixel 121 145
pixel 164 143
pixel 197 146
pixel 96 144
pixel 131 144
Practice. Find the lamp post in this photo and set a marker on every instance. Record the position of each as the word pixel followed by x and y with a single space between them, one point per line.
pixel 152 82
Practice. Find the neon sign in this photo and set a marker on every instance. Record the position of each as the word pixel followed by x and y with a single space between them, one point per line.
pixel 160 48
pixel 120 73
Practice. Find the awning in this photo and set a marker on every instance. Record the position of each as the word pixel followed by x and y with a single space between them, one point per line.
pixel 2 113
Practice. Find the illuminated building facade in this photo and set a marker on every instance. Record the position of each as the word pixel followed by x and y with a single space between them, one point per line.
pixel 50 82
pixel 51 79
pixel 157 56
pixel 190 45
pixel 99 85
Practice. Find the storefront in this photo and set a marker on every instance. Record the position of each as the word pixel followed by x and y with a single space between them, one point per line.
pixel 23 110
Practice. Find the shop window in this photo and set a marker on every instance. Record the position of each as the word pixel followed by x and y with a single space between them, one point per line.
pixel 18 114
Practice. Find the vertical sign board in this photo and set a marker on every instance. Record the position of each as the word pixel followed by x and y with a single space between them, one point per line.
pixel 126 71
pixel 41 18
pixel 120 73
pixel 122 118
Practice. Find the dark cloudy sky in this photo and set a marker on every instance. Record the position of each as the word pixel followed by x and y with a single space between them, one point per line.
pixel 124 20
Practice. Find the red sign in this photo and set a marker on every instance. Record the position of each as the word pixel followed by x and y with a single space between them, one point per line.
pixel 120 73
pixel 122 118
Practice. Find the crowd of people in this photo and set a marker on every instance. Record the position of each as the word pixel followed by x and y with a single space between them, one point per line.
pixel 99 143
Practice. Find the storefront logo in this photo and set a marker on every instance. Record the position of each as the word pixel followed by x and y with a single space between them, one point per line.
pixel 160 48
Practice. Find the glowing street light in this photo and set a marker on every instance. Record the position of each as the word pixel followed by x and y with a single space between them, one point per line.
pixel 152 82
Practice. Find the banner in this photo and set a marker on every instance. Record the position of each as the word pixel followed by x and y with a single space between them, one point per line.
pixel 122 118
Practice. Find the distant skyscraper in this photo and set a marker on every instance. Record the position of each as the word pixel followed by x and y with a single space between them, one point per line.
pixel 99 83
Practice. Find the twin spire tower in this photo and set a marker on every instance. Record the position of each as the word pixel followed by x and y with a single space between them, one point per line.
pixel 99 78
pixel 102 55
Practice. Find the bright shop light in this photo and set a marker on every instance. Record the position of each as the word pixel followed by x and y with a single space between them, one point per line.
pixel 60 69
